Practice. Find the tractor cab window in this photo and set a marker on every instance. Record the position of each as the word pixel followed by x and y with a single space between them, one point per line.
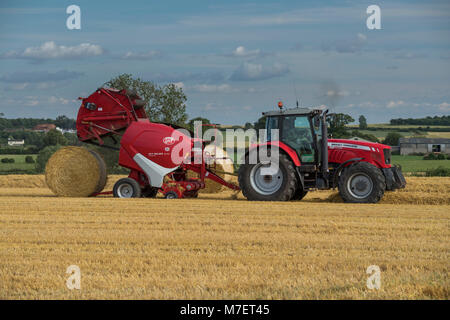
pixel 296 133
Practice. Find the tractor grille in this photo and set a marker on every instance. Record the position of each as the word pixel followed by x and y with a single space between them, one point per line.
pixel 387 156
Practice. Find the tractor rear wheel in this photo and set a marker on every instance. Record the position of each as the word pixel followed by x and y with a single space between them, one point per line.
pixel 362 182
pixel 261 183
pixel 127 188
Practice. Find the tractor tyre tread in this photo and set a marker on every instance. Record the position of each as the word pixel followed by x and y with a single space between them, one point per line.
pixel 377 177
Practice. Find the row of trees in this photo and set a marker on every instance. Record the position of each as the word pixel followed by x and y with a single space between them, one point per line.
pixel 427 121
pixel 62 122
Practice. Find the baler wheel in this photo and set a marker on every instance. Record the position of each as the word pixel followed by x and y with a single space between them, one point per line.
pixel 171 195
pixel 127 188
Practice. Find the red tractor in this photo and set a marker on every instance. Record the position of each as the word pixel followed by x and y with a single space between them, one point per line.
pixel 306 160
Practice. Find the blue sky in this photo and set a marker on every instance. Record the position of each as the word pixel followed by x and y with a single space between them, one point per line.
pixel 233 59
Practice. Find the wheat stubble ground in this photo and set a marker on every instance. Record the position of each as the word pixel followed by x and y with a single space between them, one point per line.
pixel 217 248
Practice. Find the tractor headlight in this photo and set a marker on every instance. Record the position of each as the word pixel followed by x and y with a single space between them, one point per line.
pixel 387 156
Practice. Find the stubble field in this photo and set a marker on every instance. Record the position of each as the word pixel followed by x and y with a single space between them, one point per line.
pixel 214 247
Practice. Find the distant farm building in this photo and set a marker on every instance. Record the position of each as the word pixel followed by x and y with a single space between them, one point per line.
pixel 45 127
pixel 15 142
pixel 424 145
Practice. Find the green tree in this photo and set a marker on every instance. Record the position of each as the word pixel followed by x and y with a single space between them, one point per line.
pixel 338 122
pixel 248 125
pixel 260 124
pixel 64 122
pixel 72 139
pixel 29 159
pixel 162 103
pixel 362 122
pixel 54 137
pixel 43 156
pixel 392 139
pixel 190 124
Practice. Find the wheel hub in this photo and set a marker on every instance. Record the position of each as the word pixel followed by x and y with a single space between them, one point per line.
pixel 125 191
pixel 360 185
pixel 265 179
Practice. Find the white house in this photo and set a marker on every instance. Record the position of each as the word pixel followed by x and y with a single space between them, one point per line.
pixel 15 142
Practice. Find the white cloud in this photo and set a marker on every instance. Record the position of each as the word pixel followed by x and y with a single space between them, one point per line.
pixel 50 50
pixel 351 45
pixel 179 85
pixel 38 79
pixel 394 104
pixel 208 88
pixel 31 101
pixel 58 100
pixel 142 55
pixel 242 52
pixel 444 106
pixel 253 72
pixel 409 55
pixel 209 106
pixel 333 93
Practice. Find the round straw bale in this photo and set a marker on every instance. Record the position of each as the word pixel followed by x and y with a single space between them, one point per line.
pixel 73 172
pixel 221 162
pixel 102 167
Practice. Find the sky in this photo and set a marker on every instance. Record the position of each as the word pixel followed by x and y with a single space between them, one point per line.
pixel 233 59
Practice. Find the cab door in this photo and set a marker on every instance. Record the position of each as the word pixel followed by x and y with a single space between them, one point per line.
pixel 296 132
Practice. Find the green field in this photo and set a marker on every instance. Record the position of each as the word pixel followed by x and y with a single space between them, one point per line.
pixel 417 164
pixel 395 126
pixel 19 164
pixel 407 131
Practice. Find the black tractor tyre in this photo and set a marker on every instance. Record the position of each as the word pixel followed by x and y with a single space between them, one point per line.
pixel 286 190
pixel 149 192
pixel 127 188
pixel 361 182
pixel 300 193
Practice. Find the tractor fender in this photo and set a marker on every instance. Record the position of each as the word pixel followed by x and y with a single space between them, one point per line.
pixel 284 147
pixel 339 169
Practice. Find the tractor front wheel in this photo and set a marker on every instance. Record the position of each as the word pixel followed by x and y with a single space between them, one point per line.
pixel 127 188
pixel 362 182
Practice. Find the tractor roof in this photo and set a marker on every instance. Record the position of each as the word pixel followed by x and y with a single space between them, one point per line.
pixel 293 111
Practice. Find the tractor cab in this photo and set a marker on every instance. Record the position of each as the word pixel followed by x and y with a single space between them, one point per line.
pixel 298 128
